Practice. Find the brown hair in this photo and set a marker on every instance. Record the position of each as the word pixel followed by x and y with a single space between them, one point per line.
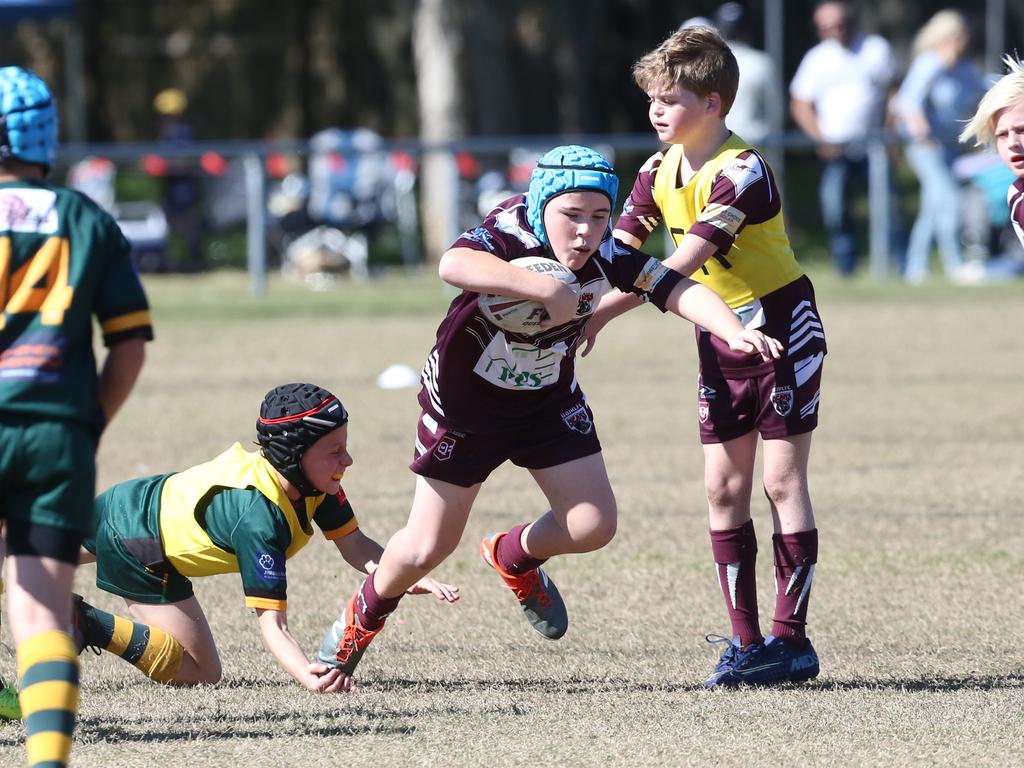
pixel 698 59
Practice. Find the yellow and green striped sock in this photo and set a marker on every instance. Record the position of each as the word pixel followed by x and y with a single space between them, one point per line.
pixel 150 649
pixel 48 670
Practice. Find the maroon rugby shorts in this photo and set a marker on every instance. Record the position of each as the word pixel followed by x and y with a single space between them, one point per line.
pixel 779 403
pixel 467 458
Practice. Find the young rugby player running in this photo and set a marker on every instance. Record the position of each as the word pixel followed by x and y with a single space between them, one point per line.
pixel 476 416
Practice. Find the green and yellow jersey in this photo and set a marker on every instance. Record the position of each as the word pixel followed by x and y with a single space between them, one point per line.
pixel 62 260
pixel 228 515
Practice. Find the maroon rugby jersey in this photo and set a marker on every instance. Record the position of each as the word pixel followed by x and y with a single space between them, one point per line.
pixel 479 378
pixel 1015 199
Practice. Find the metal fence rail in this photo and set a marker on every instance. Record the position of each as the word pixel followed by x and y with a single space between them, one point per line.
pixel 252 155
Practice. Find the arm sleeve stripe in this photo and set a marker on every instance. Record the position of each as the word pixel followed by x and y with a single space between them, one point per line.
pixel 339 533
pixel 266 603
pixel 138 319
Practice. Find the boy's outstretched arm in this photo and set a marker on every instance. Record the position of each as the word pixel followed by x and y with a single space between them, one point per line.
pixel 702 306
pixel 313 676
pixel 690 300
pixel 363 554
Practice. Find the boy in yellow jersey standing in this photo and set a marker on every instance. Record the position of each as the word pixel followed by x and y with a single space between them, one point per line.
pixel 719 200
pixel 242 512
pixel 63 263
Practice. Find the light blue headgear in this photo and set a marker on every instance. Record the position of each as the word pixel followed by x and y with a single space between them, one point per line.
pixel 566 169
pixel 28 118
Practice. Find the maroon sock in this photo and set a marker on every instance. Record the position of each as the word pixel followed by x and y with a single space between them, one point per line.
pixel 735 553
pixel 511 556
pixel 371 608
pixel 795 557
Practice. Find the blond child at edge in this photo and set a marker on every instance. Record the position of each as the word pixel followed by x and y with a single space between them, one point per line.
pixel 720 202
pixel 1000 121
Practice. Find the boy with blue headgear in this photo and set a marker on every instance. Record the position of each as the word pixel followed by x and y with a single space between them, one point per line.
pixel 717 197
pixel 63 261
pixel 475 416
pixel 242 512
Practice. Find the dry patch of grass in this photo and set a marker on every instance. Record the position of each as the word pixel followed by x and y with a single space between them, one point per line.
pixel 916 612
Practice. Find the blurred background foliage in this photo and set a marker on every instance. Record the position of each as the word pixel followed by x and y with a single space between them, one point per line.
pixel 410 70
pixel 258 69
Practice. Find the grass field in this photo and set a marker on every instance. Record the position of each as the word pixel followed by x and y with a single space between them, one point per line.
pixel 917 611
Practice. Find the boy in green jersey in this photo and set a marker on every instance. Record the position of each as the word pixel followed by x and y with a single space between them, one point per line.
pixel 63 261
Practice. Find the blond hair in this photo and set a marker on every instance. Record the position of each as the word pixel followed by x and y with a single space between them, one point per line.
pixel 698 59
pixel 944 27
pixel 1008 91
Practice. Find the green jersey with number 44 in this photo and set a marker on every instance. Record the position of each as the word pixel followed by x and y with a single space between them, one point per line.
pixel 63 260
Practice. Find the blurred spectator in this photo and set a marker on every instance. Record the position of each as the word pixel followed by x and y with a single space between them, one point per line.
pixel 991 248
pixel 757 110
pixel 940 92
pixel 181 175
pixel 838 99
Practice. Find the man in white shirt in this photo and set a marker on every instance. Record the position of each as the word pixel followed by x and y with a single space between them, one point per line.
pixel 837 98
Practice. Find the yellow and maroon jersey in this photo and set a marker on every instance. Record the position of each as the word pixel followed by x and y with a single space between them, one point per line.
pixel 63 260
pixel 231 515
pixel 733 202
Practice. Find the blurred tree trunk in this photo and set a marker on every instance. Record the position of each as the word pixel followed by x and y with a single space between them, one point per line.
pixel 487 65
pixel 577 58
pixel 436 47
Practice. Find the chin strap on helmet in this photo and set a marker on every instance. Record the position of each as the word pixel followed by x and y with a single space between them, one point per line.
pixel 292 418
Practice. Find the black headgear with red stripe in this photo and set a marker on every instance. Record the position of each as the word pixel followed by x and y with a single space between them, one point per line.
pixel 292 418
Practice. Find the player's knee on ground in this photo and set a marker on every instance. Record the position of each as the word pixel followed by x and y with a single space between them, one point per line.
pixel 207 671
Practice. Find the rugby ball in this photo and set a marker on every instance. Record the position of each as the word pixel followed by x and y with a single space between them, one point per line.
pixel 523 315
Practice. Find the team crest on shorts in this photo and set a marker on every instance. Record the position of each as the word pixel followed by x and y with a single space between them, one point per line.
pixel 578 420
pixel 703 411
pixel 782 400
pixel 445 448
